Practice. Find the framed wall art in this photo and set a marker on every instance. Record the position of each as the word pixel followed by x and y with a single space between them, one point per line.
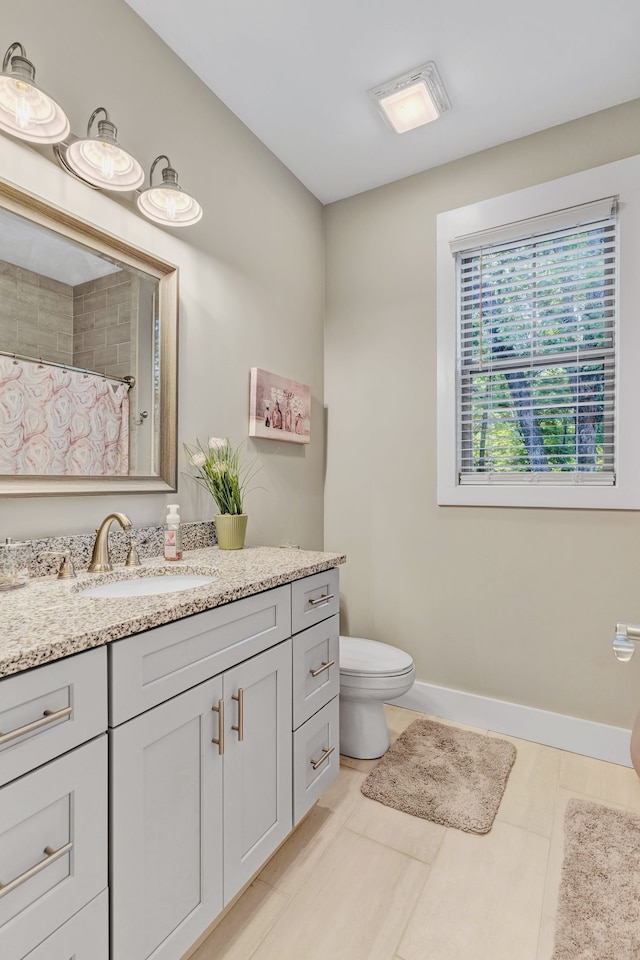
pixel 279 409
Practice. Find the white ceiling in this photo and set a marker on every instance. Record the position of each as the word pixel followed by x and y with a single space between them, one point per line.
pixel 296 72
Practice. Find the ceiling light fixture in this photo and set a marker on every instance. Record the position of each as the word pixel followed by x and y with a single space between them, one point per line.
pixel 26 111
pixel 167 203
pixel 413 99
pixel 100 160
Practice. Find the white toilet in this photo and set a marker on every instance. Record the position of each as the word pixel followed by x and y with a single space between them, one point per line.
pixel 370 673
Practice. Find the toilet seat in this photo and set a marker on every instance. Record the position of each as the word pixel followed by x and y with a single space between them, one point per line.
pixel 371 658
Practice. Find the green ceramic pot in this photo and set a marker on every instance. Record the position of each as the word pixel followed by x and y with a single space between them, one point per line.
pixel 230 530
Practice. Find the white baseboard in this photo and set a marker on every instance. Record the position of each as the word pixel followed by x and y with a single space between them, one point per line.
pixel 528 723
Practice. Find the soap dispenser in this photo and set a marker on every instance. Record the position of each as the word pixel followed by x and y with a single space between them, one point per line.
pixel 173 534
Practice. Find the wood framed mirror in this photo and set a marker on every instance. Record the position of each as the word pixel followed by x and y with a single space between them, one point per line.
pixel 88 357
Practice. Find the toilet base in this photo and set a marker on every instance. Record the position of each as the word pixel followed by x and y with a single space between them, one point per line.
pixel 364 734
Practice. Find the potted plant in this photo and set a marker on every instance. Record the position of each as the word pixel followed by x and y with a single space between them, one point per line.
pixel 217 468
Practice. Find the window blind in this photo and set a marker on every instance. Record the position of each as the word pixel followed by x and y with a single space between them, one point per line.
pixel 536 351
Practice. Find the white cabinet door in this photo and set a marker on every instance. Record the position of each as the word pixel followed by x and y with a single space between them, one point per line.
pixel 166 818
pixel 84 937
pixel 53 846
pixel 257 763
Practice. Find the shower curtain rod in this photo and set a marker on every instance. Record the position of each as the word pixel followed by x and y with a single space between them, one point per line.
pixel 130 381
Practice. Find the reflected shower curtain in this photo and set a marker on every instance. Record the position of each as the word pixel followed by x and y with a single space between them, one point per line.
pixel 55 421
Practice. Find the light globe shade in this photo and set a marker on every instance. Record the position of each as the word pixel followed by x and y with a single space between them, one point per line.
pixel 104 164
pixel 169 206
pixel 26 111
pixel 167 203
pixel 101 161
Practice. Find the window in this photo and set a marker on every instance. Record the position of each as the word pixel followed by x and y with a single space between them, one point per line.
pixel 536 313
pixel 536 359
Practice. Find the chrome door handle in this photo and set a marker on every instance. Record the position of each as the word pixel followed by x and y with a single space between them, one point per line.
pixel 326 753
pixel 52 856
pixel 240 700
pixel 49 716
pixel 324 599
pixel 325 666
pixel 220 741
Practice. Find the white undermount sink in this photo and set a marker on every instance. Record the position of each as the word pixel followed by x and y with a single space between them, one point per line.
pixel 148 586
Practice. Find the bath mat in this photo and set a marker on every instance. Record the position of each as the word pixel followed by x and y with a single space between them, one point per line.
pixel 440 773
pixel 599 901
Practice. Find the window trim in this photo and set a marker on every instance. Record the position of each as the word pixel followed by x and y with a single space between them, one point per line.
pixel 621 179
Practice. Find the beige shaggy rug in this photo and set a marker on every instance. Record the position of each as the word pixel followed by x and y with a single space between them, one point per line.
pixel 599 902
pixel 450 776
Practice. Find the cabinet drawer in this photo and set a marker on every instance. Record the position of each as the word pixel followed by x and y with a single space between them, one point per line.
pixel 316 669
pixel 84 937
pixel 153 666
pixel 53 846
pixel 319 737
pixel 314 599
pixel 48 710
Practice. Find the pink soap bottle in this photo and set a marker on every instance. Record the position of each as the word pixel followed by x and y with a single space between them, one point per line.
pixel 173 534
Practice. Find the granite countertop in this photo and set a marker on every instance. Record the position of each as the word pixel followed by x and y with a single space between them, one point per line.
pixel 50 618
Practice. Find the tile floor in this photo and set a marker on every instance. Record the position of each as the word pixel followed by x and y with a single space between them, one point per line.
pixel 360 881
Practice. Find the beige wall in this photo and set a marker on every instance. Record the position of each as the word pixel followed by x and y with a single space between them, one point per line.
pixel 509 603
pixel 251 273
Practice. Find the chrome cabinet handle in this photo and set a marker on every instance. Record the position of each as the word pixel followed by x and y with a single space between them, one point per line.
pixel 326 753
pixel 323 599
pixel 220 741
pixel 52 856
pixel 325 666
pixel 240 700
pixel 49 716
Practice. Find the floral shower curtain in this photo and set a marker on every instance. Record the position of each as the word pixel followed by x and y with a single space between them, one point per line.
pixel 55 421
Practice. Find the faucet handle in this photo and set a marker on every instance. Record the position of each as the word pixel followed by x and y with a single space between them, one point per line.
pixel 66 570
pixel 133 559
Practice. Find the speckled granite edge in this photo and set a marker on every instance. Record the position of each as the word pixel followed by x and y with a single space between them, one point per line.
pixel 149 542
pixel 50 619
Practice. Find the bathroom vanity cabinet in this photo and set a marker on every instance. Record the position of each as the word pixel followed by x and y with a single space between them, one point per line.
pixel 222 732
pixel 53 810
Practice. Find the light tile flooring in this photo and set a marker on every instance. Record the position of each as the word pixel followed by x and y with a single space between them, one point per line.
pixel 360 881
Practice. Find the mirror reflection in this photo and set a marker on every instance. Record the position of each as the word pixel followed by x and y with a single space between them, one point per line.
pixel 87 360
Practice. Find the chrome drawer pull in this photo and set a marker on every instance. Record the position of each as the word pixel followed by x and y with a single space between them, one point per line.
pixel 325 666
pixel 323 599
pixel 240 699
pixel 49 716
pixel 325 756
pixel 220 741
pixel 52 856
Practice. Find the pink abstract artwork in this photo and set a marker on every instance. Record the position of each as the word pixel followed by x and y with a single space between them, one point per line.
pixel 279 409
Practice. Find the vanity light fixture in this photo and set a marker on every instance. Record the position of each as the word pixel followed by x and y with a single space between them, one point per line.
pixel 100 160
pixel 413 99
pixel 26 111
pixel 167 203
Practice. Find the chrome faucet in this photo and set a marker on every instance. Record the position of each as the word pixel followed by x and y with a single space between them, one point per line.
pixel 100 562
